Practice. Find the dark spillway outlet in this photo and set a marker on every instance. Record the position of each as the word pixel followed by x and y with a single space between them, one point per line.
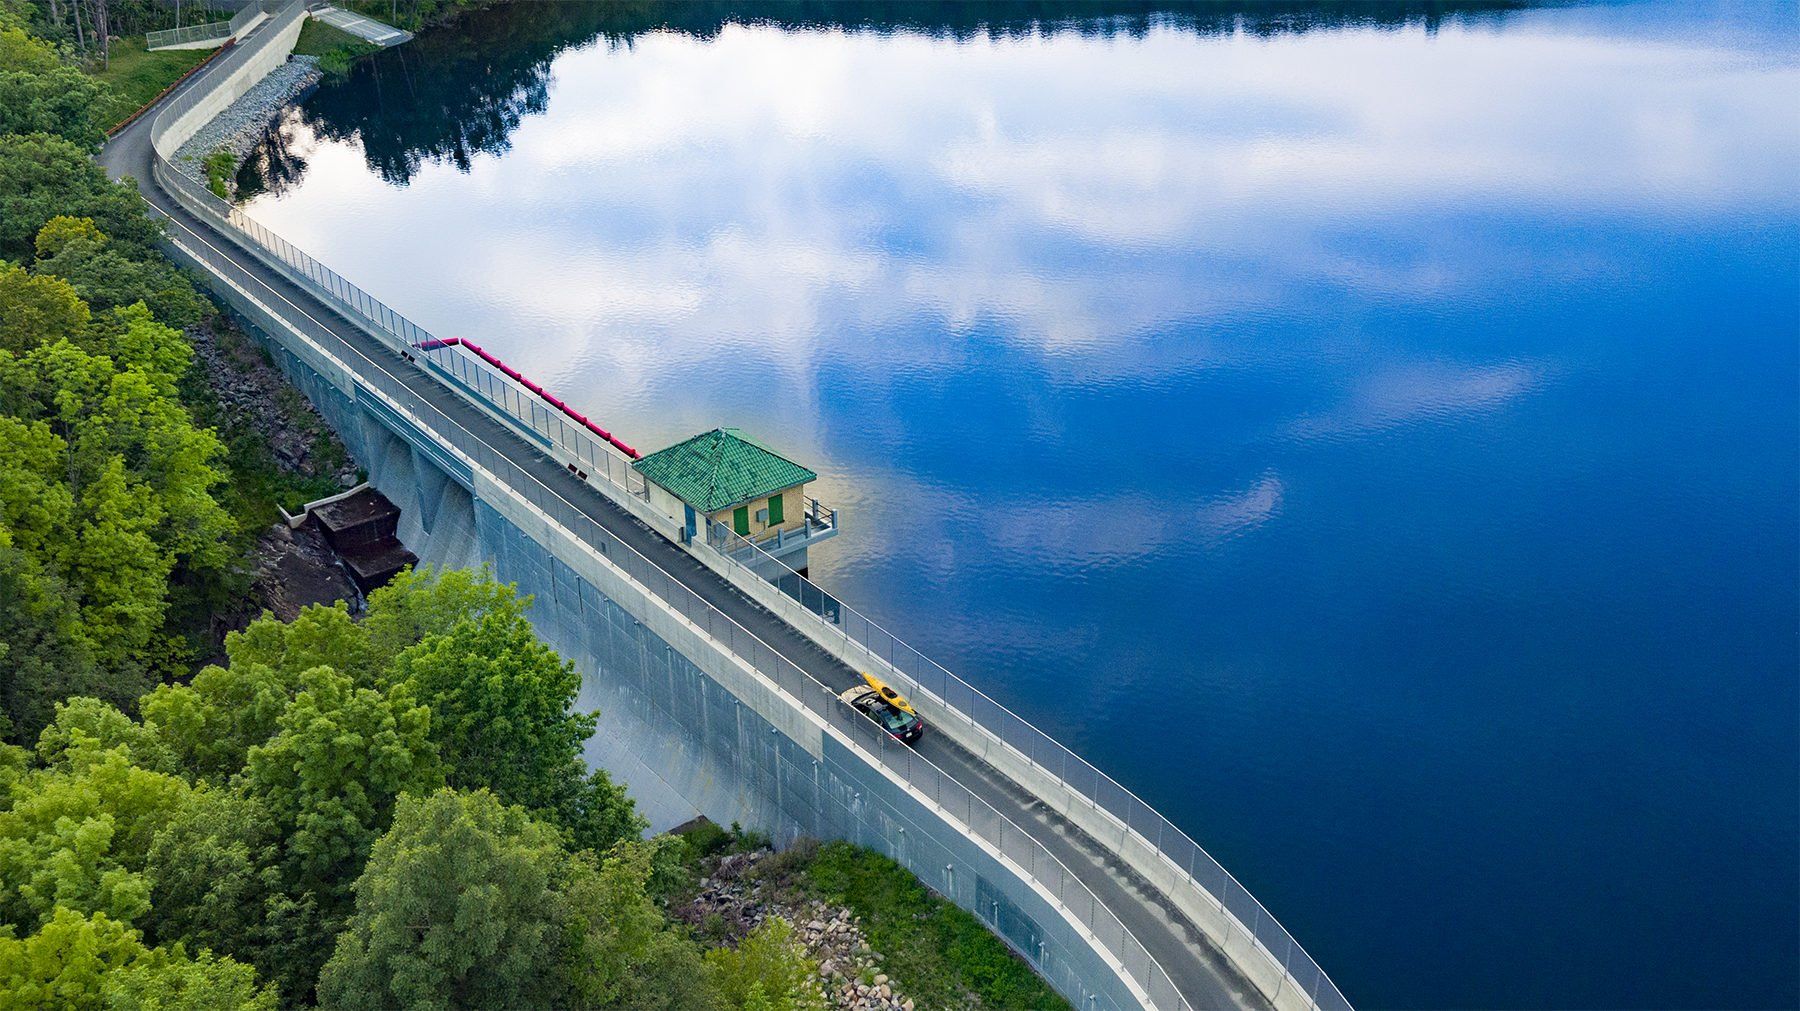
pixel 361 529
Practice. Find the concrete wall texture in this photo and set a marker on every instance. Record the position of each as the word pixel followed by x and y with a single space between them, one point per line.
pixel 228 88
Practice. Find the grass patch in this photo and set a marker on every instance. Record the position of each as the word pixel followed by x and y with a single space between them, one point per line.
pixel 138 75
pixel 939 954
pixel 219 166
pixel 335 48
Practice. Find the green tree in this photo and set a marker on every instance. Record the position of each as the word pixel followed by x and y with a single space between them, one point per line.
pixel 133 338
pixel 36 504
pixel 211 723
pixel 319 636
pixel 90 579
pixel 115 558
pixel 768 971
pixel 20 52
pixel 105 491
pixel 76 250
pixel 214 874
pixel 332 773
pixel 329 780
pixel 463 903
pixel 63 101
pixel 86 727
pixel 43 176
pixel 500 702
pixel 77 836
pixel 45 654
pixel 500 699
pixel 471 903
pixel 598 814
pixel 627 955
pixel 420 603
pixel 39 94
pixel 90 963
pixel 38 310
pixel 136 479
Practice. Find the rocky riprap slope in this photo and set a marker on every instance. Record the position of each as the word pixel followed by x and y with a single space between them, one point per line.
pixel 241 126
pixel 734 898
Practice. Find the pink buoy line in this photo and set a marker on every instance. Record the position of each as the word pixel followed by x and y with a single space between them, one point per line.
pixel 515 376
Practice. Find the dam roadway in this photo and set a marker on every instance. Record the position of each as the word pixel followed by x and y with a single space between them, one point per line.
pixel 1201 974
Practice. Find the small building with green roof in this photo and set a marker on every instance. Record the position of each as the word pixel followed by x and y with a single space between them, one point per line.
pixel 724 482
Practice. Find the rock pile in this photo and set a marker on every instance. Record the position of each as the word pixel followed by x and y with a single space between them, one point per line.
pixel 254 394
pixel 295 568
pixel 733 897
pixel 241 126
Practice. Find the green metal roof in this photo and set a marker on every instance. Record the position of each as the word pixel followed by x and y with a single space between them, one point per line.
pixel 720 469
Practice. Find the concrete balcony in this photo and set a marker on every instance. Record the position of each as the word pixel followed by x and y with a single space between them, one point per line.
pixel 786 546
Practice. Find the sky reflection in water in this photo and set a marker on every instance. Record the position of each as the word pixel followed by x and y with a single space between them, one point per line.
pixel 1374 446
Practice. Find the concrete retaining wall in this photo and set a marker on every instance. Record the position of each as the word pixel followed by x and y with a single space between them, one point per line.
pixel 226 88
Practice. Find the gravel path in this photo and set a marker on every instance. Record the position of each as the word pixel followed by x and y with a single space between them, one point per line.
pixel 240 128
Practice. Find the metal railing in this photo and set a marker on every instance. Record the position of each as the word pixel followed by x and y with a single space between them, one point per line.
pixel 249 12
pixel 282 14
pixel 212 31
pixel 819 520
pixel 923 677
pixel 499 392
pixel 917 673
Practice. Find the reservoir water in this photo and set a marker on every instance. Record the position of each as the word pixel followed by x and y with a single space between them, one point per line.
pixel 1367 431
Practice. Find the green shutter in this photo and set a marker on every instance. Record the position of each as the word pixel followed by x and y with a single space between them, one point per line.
pixel 775 516
pixel 740 520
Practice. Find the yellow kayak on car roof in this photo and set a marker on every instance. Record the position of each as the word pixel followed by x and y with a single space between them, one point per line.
pixel 888 695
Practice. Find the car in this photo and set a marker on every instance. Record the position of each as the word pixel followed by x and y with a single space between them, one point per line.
pixel 903 724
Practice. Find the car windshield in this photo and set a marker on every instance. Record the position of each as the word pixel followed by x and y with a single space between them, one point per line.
pixel 894 719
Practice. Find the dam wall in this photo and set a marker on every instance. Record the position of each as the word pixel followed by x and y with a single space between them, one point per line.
pixel 684 723
pixel 700 714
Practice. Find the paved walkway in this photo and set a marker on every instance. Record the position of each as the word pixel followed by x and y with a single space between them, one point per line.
pixel 366 29
pixel 1201 973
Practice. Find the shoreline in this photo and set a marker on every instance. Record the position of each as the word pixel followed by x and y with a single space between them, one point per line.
pixel 241 127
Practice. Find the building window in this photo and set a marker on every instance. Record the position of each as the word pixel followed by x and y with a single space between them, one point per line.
pixel 740 520
pixel 775 516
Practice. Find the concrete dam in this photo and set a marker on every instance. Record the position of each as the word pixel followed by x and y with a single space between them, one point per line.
pixel 715 662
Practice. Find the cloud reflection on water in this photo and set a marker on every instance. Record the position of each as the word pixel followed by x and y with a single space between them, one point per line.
pixel 1244 406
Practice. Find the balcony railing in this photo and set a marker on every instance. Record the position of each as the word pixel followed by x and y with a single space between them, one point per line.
pixel 821 522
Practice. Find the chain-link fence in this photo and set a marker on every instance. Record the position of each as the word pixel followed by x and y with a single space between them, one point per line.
pixel 908 668
pixel 212 31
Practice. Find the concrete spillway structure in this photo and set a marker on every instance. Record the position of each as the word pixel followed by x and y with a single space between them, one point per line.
pixel 718 689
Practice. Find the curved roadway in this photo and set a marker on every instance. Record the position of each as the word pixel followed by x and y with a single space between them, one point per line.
pixel 1199 971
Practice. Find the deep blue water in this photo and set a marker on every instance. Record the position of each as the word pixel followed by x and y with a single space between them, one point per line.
pixel 1374 438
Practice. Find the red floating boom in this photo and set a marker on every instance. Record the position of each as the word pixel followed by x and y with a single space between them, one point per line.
pixel 513 374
